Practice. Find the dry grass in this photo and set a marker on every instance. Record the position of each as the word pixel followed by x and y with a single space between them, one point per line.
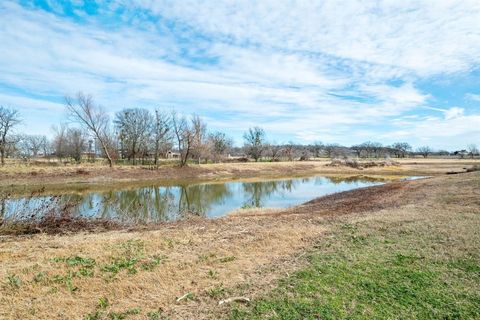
pixel 241 254
pixel 195 257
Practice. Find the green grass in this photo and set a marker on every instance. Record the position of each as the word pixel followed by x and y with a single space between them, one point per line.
pixel 383 273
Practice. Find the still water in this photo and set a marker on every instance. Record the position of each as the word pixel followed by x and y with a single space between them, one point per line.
pixel 167 203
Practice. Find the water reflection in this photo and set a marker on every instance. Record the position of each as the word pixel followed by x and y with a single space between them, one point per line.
pixel 166 203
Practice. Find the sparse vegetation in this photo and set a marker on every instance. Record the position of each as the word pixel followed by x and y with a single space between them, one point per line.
pixel 382 269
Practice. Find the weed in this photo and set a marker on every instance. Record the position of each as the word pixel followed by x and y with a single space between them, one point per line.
pixel 227 259
pixel 86 266
pixel 76 261
pixel 213 274
pixel 97 315
pixel 14 281
pixel 132 248
pixel 66 280
pixel 119 264
pixel 216 292
pixel 155 315
pixel 70 286
pixel 152 262
pixel 123 315
pixel 39 277
pixel 349 227
pixel 206 257
pixel 170 243
pixel 103 303
pixel 85 272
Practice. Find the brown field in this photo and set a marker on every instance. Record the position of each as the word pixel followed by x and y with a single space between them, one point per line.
pixel 142 273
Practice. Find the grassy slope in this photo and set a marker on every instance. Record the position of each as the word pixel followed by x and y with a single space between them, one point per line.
pixel 422 263
pixel 413 256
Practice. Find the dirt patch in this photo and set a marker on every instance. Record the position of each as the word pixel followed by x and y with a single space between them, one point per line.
pixel 356 201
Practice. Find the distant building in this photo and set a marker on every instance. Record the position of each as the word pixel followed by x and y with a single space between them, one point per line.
pixel 461 153
pixel 172 155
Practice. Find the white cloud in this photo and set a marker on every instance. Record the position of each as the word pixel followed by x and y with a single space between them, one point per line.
pixel 453 113
pixel 305 69
pixel 442 133
pixel 473 97
pixel 422 36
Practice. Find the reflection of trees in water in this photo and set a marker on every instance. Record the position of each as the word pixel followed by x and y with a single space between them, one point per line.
pixel 350 179
pixel 152 204
pixel 3 208
pixel 140 205
pixel 199 198
pixel 161 203
pixel 257 192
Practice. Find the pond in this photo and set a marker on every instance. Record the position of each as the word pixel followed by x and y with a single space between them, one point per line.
pixel 168 203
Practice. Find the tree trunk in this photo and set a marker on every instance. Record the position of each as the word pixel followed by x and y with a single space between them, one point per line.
pixel 105 149
pixel 2 148
pixel 156 154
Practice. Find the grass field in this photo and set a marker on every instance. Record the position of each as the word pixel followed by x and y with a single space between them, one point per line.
pixel 409 267
pixel 402 250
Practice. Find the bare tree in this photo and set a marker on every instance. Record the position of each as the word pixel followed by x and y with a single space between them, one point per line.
pixel 9 118
pixel 14 146
pixel 220 144
pixel 371 149
pixel 76 143
pixel 472 150
pixel 289 151
pixel 35 143
pixel 254 142
pixel 331 149
pixel 401 149
pixel 201 146
pixel 23 147
pixel 184 136
pixel 317 149
pixel 46 147
pixel 424 151
pixel 162 134
pixel 59 143
pixel 274 151
pixel 93 119
pixel 357 149
pixel 134 127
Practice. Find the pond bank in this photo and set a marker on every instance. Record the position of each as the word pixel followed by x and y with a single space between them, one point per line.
pixel 131 207
pixel 27 179
pixel 65 276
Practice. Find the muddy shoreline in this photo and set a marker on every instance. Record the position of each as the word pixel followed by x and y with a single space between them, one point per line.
pixel 357 200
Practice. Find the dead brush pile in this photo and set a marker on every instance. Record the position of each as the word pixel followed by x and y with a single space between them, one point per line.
pixel 51 215
pixel 352 163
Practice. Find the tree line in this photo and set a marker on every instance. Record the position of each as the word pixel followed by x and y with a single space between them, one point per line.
pixel 138 135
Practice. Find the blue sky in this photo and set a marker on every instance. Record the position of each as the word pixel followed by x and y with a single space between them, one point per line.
pixel 304 70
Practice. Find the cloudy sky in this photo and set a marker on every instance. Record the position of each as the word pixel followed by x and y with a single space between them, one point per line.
pixel 333 71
